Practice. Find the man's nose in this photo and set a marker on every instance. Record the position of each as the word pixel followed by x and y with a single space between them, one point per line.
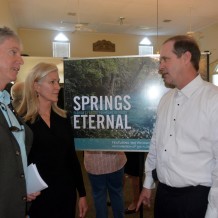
pixel 20 60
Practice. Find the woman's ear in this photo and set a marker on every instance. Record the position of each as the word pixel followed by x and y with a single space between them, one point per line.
pixel 36 86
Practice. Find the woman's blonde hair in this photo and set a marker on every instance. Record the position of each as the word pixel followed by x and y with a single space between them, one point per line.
pixel 29 106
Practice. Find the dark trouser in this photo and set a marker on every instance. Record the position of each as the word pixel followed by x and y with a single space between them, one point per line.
pixel 187 202
pixel 104 184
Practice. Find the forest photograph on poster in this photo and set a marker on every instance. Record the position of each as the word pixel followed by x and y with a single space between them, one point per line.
pixel 112 101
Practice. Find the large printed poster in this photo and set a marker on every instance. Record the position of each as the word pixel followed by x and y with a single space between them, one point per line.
pixel 113 101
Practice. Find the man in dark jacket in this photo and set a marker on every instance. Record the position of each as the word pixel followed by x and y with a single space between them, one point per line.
pixel 15 136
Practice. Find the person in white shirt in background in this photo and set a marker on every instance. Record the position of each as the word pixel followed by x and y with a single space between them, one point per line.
pixel 17 94
pixel 184 145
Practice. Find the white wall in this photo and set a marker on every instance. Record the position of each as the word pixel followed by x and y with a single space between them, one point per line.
pixel 6 17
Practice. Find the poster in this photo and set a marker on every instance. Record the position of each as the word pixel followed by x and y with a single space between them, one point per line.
pixel 112 101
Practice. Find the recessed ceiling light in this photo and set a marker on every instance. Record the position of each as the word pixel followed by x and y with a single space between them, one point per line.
pixel 146 27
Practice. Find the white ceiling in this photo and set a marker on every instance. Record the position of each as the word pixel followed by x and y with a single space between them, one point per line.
pixel 103 15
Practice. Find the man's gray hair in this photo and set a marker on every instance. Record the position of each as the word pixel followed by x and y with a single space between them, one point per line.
pixel 6 32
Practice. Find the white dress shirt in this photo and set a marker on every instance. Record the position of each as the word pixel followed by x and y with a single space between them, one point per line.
pixel 184 145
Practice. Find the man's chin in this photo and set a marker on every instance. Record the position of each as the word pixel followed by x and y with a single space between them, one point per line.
pixel 14 77
pixel 168 85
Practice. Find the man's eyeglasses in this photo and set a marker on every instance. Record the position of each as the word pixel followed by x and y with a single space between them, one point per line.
pixel 11 127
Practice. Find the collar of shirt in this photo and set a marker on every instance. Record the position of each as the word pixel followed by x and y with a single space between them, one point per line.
pixel 5 97
pixel 191 87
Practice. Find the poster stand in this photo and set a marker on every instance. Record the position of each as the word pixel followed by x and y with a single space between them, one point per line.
pixel 141 167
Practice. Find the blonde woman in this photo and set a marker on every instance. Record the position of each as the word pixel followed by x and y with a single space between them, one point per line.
pixel 53 150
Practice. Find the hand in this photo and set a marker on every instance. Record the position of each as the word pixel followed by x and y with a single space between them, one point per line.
pixel 31 197
pixel 145 198
pixel 83 207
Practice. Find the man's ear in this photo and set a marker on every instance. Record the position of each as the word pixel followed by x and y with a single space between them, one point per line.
pixel 187 56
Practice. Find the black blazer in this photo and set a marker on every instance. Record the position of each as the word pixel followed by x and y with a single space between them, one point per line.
pixel 12 180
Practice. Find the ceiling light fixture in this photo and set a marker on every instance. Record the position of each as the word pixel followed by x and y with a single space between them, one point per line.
pixel 121 20
pixel 190 32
